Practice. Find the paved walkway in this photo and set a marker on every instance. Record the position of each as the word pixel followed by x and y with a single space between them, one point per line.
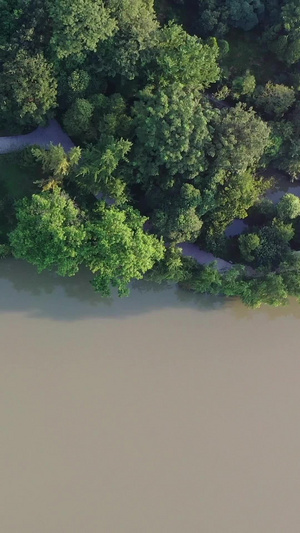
pixel 203 258
pixel 43 136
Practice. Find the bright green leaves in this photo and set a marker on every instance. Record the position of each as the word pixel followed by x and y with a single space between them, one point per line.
pixel 118 249
pixel 49 232
pixel 52 233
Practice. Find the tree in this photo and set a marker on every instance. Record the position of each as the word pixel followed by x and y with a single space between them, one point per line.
pixel 97 168
pixel 177 225
pixel 274 245
pixel 216 17
pixel 275 99
pixel 241 137
pixel 208 280
pixel 247 244
pixel 270 290
pixel 56 163
pixel 177 218
pixel 118 249
pixel 288 207
pixel 11 12
pixel 49 232
pixel 29 88
pixel 213 18
pixel 77 119
pixel 182 58
pixel 78 27
pixel 137 27
pixel 245 14
pixel 284 37
pixel 110 117
pixel 244 85
pixel 229 195
pixel 172 133
pixel 290 159
pixel 173 267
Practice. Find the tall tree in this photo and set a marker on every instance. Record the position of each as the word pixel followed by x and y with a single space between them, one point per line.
pixel 118 249
pixel 137 28
pixel 180 57
pixel 49 232
pixel 28 88
pixel 78 27
pixel 171 135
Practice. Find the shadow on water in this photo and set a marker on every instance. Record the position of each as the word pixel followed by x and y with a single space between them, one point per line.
pixel 47 295
pixel 51 296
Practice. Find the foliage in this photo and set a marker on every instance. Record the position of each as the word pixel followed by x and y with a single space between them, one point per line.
pixel 289 207
pixel 56 163
pixel 118 249
pixel 160 111
pixel 172 132
pixel 49 232
pixel 179 57
pixel 275 99
pixel 284 36
pixel 248 243
pixel 78 26
pixel 137 27
pixel 172 268
pixel 28 88
pixel 216 17
pixel 98 165
pixel 241 138
pixel 244 85
pixel 77 118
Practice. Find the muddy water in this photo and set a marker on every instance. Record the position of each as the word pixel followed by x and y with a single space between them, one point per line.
pixel 161 413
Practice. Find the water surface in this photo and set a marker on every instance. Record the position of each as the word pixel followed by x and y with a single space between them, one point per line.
pixel 162 413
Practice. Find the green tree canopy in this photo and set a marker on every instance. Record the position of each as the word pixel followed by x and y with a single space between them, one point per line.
pixel 137 26
pixel 56 162
pixel 180 57
pixel 171 135
pixel 284 36
pixel 78 27
pixel 241 138
pixel 77 119
pixel 118 249
pixel 49 233
pixel 274 99
pixel 288 207
pixel 97 170
pixel 28 88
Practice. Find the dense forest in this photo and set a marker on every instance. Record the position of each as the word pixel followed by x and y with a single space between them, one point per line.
pixel 181 111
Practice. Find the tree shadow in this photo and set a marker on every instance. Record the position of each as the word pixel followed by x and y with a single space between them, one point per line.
pixel 48 295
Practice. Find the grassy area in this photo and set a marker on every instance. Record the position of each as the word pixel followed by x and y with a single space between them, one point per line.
pixel 15 180
pixel 247 52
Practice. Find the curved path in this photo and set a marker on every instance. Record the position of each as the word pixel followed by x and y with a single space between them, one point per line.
pixel 43 136
pixel 203 258
pixel 53 133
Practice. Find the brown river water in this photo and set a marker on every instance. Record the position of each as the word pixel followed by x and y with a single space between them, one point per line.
pixel 164 412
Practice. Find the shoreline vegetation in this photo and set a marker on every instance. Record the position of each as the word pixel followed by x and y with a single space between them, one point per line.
pixel 177 123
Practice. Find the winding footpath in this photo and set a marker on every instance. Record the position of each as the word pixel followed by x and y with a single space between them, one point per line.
pixel 54 134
